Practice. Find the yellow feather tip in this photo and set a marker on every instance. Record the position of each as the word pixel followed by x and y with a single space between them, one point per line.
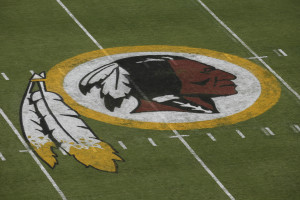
pixel 45 153
pixel 99 158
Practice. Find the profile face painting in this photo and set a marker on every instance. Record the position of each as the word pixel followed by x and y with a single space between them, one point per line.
pixel 160 83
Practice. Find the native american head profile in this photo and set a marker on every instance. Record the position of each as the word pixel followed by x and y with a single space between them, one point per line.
pixel 160 83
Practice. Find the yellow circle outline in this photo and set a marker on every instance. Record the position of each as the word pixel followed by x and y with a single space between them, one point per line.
pixel 270 88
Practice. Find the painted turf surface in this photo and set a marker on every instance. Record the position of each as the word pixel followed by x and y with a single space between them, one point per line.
pixel 37 35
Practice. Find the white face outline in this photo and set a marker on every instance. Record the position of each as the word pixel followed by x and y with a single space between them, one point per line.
pixel 248 87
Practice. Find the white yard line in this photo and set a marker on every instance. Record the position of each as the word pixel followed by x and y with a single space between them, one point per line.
pixel 275 50
pixel 122 144
pixel 152 142
pixel 269 131
pixel 2 157
pixel 203 165
pixel 174 131
pixel 5 76
pixel 79 24
pixel 62 151
pixel 265 131
pixel 240 133
pixel 174 136
pixel 296 128
pixel 23 151
pixel 33 155
pixel 211 137
pixel 251 58
pixel 249 49
pixel 282 52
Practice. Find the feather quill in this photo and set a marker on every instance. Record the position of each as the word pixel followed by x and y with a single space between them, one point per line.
pixel 35 129
pixel 71 133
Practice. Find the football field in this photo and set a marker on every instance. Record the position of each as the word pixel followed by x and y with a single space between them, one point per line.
pixel 241 142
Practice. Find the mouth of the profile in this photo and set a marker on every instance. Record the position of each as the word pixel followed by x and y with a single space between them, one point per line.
pixel 201 82
pixel 226 83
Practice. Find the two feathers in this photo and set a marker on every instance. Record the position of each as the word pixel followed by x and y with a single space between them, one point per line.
pixel 48 122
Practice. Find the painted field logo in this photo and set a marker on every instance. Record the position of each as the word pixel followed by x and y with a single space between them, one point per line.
pixel 163 87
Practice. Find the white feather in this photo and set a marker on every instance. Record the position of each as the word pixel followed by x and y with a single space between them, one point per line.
pixel 102 74
pixel 74 136
pixel 98 74
pixel 112 79
pixel 67 128
pixel 47 120
pixel 115 84
pixel 34 131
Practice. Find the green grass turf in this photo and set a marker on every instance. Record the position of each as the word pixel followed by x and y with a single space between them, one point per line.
pixel 36 35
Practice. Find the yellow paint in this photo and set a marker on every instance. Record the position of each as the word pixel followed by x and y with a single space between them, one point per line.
pixel 45 153
pixel 270 88
pixel 102 159
pixel 37 80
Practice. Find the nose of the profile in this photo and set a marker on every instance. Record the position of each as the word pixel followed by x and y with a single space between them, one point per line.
pixel 221 75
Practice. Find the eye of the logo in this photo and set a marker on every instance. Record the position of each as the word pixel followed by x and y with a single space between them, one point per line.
pixel 209 69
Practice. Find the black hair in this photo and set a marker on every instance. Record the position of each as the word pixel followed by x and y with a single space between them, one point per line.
pixel 151 74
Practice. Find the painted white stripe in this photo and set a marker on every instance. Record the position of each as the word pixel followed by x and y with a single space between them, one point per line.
pixel 122 144
pixel 294 129
pixel 33 155
pixel 240 133
pixel 275 50
pixel 31 71
pixel 269 131
pixel 297 128
pixel 249 49
pixel 203 165
pixel 251 58
pixel 152 142
pixel 4 76
pixel 79 24
pixel 265 131
pixel 23 151
pixel 178 135
pixel 62 151
pixel 211 137
pixel 282 52
pixel 2 157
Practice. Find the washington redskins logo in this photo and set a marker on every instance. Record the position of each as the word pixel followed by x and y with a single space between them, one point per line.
pixel 164 87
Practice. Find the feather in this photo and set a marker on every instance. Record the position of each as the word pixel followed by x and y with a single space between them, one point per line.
pixel 116 84
pixel 71 133
pixel 113 82
pixel 35 130
pixel 98 74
